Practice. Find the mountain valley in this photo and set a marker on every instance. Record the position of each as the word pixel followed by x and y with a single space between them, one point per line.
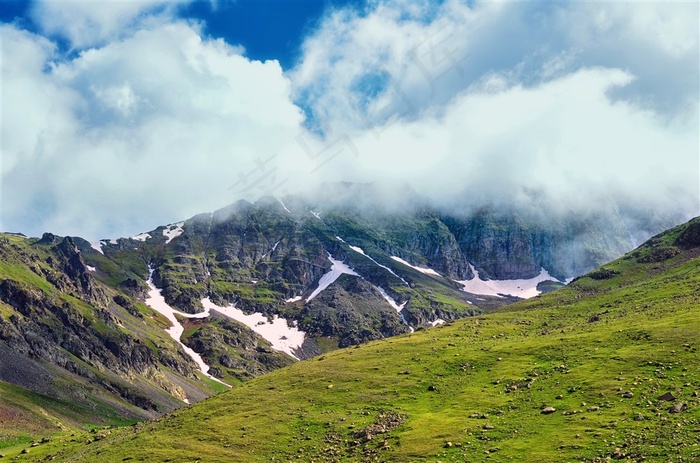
pixel 110 333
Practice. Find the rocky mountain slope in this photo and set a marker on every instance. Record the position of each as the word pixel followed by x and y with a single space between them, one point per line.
pixel 603 369
pixel 75 350
pixel 417 264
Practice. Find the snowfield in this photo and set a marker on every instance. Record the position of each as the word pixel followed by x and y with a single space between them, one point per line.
pixel 338 268
pixel 424 270
pixel 155 300
pixel 141 237
pixel 519 288
pixel 172 231
pixel 277 332
pixel 284 338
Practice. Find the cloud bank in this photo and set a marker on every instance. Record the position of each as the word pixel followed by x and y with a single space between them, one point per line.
pixel 146 120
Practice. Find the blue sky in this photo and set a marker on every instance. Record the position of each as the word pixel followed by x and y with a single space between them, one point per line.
pixel 121 116
pixel 268 29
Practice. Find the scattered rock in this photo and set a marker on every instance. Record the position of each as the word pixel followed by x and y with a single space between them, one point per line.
pixel 548 410
pixel 668 397
pixel 603 274
pixel 432 387
pixel 330 386
pixel 559 397
pixel 593 408
pixel 678 407
pixel 639 418
pixel 448 444
pixel 617 454
pixel 385 422
pixel 627 395
pixel 489 426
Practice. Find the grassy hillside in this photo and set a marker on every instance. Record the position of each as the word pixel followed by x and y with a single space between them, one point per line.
pixel 593 371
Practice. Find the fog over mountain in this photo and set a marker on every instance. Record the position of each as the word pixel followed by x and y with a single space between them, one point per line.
pixel 121 118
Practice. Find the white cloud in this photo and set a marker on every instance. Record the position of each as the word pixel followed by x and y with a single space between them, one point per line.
pixel 422 55
pixel 134 133
pixel 86 24
pixel 580 100
pixel 577 98
pixel 564 137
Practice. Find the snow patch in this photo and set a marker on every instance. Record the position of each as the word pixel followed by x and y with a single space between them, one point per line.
pixel 396 306
pixel 285 207
pixel 391 300
pixel 438 321
pixel 340 239
pixel 361 251
pixel 294 299
pixel 338 268
pixel 317 215
pixel 97 247
pixel 141 237
pixel 156 301
pixel 284 338
pixel 424 270
pixel 519 288
pixel 274 247
pixel 91 269
pixel 172 231
pixel 357 249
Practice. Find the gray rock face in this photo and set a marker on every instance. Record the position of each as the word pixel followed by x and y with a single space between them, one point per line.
pixel 63 327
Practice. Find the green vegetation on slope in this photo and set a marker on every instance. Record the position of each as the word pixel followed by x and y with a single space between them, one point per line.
pixel 595 370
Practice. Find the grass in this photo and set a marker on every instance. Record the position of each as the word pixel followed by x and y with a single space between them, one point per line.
pixel 601 352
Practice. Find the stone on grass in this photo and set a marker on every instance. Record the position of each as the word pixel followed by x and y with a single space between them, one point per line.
pixel 678 407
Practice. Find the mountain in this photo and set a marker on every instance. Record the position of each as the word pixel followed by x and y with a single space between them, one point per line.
pixel 605 368
pixel 270 257
pixel 131 328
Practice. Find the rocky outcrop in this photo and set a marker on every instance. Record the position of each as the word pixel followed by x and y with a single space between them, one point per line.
pixel 690 237
pixel 70 263
pixel 55 331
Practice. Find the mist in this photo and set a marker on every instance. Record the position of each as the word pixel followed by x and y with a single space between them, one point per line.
pixel 151 121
